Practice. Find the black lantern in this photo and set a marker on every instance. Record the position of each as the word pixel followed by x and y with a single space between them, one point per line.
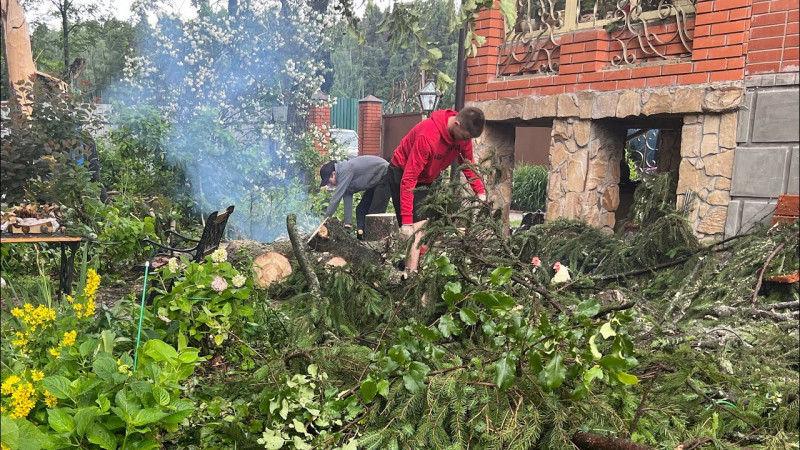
pixel 429 97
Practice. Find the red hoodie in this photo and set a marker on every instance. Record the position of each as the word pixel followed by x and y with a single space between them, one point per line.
pixel 426 151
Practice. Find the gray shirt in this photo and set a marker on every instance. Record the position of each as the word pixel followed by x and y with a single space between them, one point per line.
pixel 355 175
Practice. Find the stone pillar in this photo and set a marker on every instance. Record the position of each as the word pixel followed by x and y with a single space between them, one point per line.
pixel 495 149
pixel 369 125
pixel 706 168
pixel 319 117
pixel 584 171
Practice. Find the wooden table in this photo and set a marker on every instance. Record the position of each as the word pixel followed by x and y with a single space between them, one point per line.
pixel 64 241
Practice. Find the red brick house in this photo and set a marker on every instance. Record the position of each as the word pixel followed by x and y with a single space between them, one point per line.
pixel 717 78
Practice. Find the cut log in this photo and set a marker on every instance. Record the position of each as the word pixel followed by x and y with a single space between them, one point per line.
pixel 271 267
pixel 336 261
pixel 379 226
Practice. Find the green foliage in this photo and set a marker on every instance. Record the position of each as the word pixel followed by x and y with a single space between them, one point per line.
pixel 529 187
pixel 203 302
pixel 39 159
pixel 65 386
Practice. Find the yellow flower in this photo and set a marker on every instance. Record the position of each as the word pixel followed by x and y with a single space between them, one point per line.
pixel 49 399
pixel 55 352
pixel 70 299
pixel 4 447
pixel 23 400
pixel 28 307
pixel 18 313
pixel 6 388
pixel 37 375
pixel 69 338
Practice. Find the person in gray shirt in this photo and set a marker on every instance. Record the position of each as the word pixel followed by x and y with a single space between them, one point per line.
pixel 363 173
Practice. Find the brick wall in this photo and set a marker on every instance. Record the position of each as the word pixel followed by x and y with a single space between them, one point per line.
pixel 369 126
pixel 773 44
pixel 320 117
pixel 730 38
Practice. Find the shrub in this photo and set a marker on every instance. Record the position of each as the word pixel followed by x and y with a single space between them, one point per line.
pixel 42 155
pixel 63 386
pixel 529 187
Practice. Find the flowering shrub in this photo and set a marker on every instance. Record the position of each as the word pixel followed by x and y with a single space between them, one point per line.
pixel 208 301
pixel 63 387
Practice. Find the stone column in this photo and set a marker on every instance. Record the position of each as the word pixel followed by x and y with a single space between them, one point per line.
pixel 494 149
pixel 369 126
pixel 584 171
pixel 704 179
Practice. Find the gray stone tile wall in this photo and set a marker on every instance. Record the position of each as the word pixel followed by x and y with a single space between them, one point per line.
pixel 766 161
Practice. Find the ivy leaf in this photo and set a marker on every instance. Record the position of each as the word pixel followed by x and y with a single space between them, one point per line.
pixel 607 331
pixel 501 275
pixel 626 378
pixel 414 381
pixel 383 388
pixel 591 374
pixel 587 309
pixel 554 373
pixel 593 347
pixel 452 293
pixel 505 372
pixel 368 390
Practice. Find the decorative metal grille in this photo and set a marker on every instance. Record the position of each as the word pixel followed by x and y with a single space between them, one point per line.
pixel 641 147
pixel 532 45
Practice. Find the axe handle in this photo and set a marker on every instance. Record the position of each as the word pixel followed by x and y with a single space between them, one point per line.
pixel 316 231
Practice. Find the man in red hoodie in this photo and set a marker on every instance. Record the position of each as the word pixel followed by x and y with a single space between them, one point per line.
pixel 425 152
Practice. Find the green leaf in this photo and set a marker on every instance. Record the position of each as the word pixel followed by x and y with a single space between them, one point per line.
pixel 103 402
pixel 452 293
pixel 383 388
pixel 505 376
pixel 448 327
pixel 84 418
pixel 60 420
pixel 593 347
pixel 107 337
pixel 9 434
pixel 468 316
pixel 59 386
pixel 501 275
pixel 606 331
pixel 160 350
pixel 486 299
pixel 591 374
pixel 161 395
pixel 504 301
pixel 147 416
pixel 99 435
pixel 626 378
pixel 368 390
pixel 183 409
pixel 613 362
pixel 587 309
pixel 509 10
pixel 105 368
pixel 554 373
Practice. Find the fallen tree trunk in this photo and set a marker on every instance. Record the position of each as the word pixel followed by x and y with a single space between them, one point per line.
pixel 311 277
pixel 340 242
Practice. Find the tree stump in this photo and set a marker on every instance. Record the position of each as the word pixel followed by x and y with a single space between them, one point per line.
pixel 379 226
pixel 271 267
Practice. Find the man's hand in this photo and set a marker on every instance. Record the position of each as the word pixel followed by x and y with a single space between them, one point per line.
pixel 406 231
pixel 482 196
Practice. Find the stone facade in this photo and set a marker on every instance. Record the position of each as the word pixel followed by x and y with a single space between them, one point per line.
pixel 587 142
pixel 705 171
